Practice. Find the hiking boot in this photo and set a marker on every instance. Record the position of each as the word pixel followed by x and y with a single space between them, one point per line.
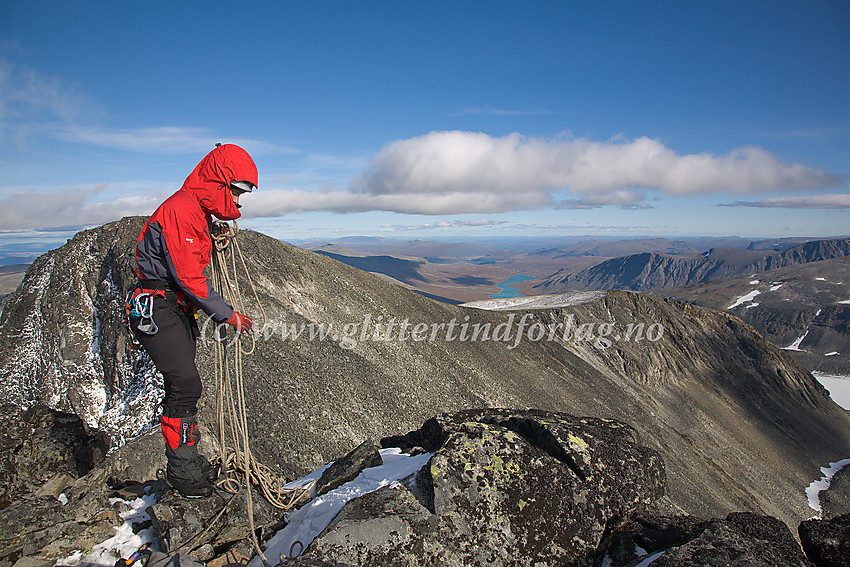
pixel 186 471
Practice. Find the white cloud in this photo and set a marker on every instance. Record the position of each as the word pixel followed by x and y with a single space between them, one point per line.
pixel 280 202
pixel 163 140
pixel 471 162
pixel 72 206
pixel 458 172
pixel 25 92
pixel 824 201
pixel 625 198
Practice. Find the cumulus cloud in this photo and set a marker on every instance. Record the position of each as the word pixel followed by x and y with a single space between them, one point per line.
pixel 824 201
pixel 471 162
pixel 469 172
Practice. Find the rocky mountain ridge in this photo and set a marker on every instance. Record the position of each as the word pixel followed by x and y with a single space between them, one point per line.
pixel 804 309
pixel 723 407
pixel 649 270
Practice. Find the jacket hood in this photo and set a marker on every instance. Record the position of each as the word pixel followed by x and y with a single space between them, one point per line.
pixel 210 181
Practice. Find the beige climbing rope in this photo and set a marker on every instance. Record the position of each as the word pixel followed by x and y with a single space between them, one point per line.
pixel 239 467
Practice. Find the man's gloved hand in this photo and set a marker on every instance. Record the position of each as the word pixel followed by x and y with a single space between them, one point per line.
pixel 242 323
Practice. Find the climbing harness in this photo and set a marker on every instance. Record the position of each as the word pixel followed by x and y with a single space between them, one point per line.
pixel 239 468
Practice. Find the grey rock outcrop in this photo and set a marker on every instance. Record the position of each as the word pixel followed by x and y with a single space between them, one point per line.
pixel 503 487
pixel 46 455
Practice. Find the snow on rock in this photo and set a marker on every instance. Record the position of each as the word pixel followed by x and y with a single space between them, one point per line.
pixel 744 299
pixel 308 521
pixel 124 542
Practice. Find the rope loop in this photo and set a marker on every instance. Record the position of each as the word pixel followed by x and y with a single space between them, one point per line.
pixel 239 468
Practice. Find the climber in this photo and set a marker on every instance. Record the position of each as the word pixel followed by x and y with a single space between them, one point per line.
pixel 172 251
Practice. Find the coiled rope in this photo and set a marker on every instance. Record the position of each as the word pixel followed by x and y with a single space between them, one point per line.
pixel 238 464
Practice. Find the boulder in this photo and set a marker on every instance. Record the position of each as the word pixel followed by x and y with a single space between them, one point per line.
pixel 827 542
pixel 42 528
pixel 347 468
pixel 741 539
pixel 502 487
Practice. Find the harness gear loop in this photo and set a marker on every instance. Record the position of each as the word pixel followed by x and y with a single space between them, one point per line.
pixel 140 305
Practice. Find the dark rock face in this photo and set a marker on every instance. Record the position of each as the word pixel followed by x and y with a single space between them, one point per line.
pixel 62 342
pixel 210 526
pixel 741 539
pixel 41 443
pixel 827 542
pixel 347 468
pixel 502 488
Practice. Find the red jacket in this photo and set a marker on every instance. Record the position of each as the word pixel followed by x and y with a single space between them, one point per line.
pixel 175 243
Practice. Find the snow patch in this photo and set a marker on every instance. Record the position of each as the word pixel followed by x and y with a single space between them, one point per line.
pixel 124 542
pixel 744 299
pixel 755 282
pixel 837 386
pixel 751 305
pixel 536 301
pixel 775 287
pixel 820 279
pixel 308 521
pixel 845 302
pixel 796 344
pixel 814 489
pixel 833 353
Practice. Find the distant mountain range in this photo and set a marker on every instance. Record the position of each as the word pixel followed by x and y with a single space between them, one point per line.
pixel 802 308
pixel 456 271
pixel 652 270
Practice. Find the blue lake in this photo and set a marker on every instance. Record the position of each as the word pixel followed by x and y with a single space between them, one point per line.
pixel 507 290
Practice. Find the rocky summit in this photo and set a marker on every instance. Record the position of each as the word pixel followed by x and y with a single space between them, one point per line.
pixel 343 357
pixel 499 488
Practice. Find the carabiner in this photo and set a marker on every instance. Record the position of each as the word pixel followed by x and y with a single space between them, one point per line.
pixel 143 304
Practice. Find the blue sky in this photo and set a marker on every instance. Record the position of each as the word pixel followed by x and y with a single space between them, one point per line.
pixel 433 119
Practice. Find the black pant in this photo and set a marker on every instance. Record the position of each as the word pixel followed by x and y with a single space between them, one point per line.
pixel 172 350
